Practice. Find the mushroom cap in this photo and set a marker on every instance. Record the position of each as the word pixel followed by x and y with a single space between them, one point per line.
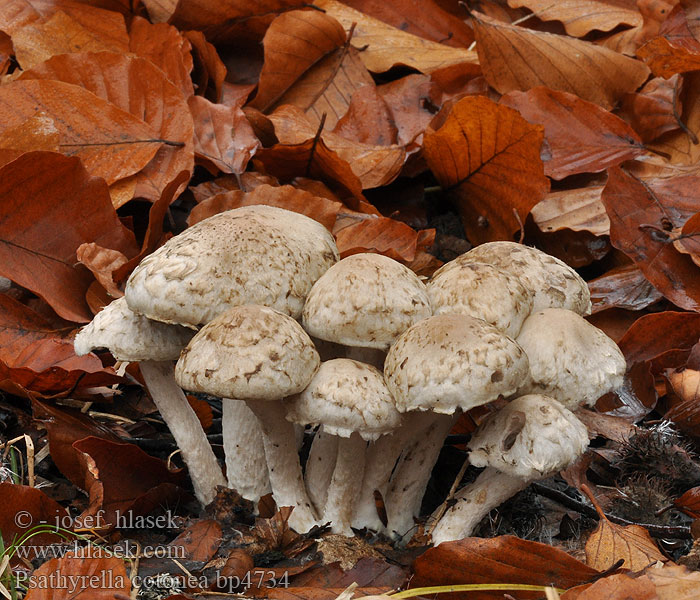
pixel 131 337
pixel 248 353
pixel 570 359
pixel 365 300
pixel 453 361
pixel 482 291
pixel 251 255
pixel 346 396
pixel 531 437
pixel 554 284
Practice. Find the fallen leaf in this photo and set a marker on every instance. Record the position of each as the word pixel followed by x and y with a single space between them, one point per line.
pixel 210 70
pixel 641 215
pixel 580 17
pixel 488 156
pixel 385 46
pixel 688 241
pixel 514 58
pixel 689 502
pixel 504 559
pixel 135 85
pixel 617 587
pixel 199 541
pixel 622 287
pixel 320 209
pixel 49 206
pixel 578 210
pixel 581 137
pixel 368 120
pixel 654 14
pixel 36 133
pixel 103 578
pixel 655 109
pixel 111 142
pixel 674 582
pixel 367 572
pixel 102 262
pixel 61 34
pixel 374 165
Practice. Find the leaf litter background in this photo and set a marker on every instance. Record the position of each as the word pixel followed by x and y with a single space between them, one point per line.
pixel 412 129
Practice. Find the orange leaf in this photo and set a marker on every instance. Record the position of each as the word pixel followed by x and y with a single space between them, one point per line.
pixel 210 69
pixel 489 157
pixel 514 58
pixel 49 206
pixel 616 587
pixel 379 234
pixel 689 502
pixel 368 120
pixel 581 136
pixel 655 109
pixel 200 541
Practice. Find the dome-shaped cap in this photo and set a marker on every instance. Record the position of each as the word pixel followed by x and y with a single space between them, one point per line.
pixel 482 291
pixel 531 437
pixel 453 361
pixel 251 255
pixel 248 353
pixel 346 396
pixel 554 284
pixel 570 359
pixel 365 300
pixel 130 337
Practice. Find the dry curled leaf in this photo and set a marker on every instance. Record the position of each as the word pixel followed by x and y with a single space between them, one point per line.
pixel 674 582
pixel 578 210
pixel 623 287
pixel 488 156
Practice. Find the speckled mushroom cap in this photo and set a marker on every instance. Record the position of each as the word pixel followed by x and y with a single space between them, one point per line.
pixel 250 255
pixel 482 291
pixel 346 396
pixel 531 437
pixel 453 361
pixel 248 353
pixel 570 359
pixel 365 300
pixel 553 283
pixel 130 337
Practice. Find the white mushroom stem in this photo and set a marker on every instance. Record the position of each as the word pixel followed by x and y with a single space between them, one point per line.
pixel 320 466
pixel 246 467
pixel 412 474
pixel 284 469
pixel 344 490
pixel 183 423
pixel 382 457
pixel 473 502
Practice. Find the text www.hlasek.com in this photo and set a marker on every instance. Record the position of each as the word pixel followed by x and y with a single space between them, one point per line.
pixel 124 550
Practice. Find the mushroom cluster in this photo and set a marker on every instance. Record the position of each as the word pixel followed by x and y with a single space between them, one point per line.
pixel 359 351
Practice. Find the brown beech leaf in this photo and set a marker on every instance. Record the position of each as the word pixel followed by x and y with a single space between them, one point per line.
pixel 61 34
pixel 166 48
pixel 675 50
pixel 580 17
pixel 224 139
pixel 111 142
pixel 655 109
pixel 230 19
pixel 381 235
pixel 616 587
pixel 688 241
pixel 373 165
pixel 581 137
pixel 503 559
pixel 49 205
pixel 689 502
pixel 385 46
pixel 641 215
pixel 135 85
pixel 653 13
pixel 368 120
pixel 200 541
pixel 610 543
pixel 320 209
pixel 622 287
pixel 514 58
pixel 315 160
pixel 107 573
pixel 578 210
pixel 122 480
pixel 674 582
pixel 489 157
pixel 102 262
pixel 210 70
pixel 36 133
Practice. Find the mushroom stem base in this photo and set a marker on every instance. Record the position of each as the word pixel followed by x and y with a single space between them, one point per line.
pixel 343 490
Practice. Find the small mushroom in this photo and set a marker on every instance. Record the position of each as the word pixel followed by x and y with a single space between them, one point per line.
pixel 259 355
pixel 133 338
pixel 531 438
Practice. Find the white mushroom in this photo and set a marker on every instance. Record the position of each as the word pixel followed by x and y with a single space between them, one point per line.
pixel 259 355
pixel 531 438
pixel 154 346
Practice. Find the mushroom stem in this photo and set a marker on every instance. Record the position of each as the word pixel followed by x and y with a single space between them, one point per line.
pixel 283 464
pixel 412 474
pixel 320 466
pixel 246 468
pixel 473 502
pixel 183 423
pixel 343 489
